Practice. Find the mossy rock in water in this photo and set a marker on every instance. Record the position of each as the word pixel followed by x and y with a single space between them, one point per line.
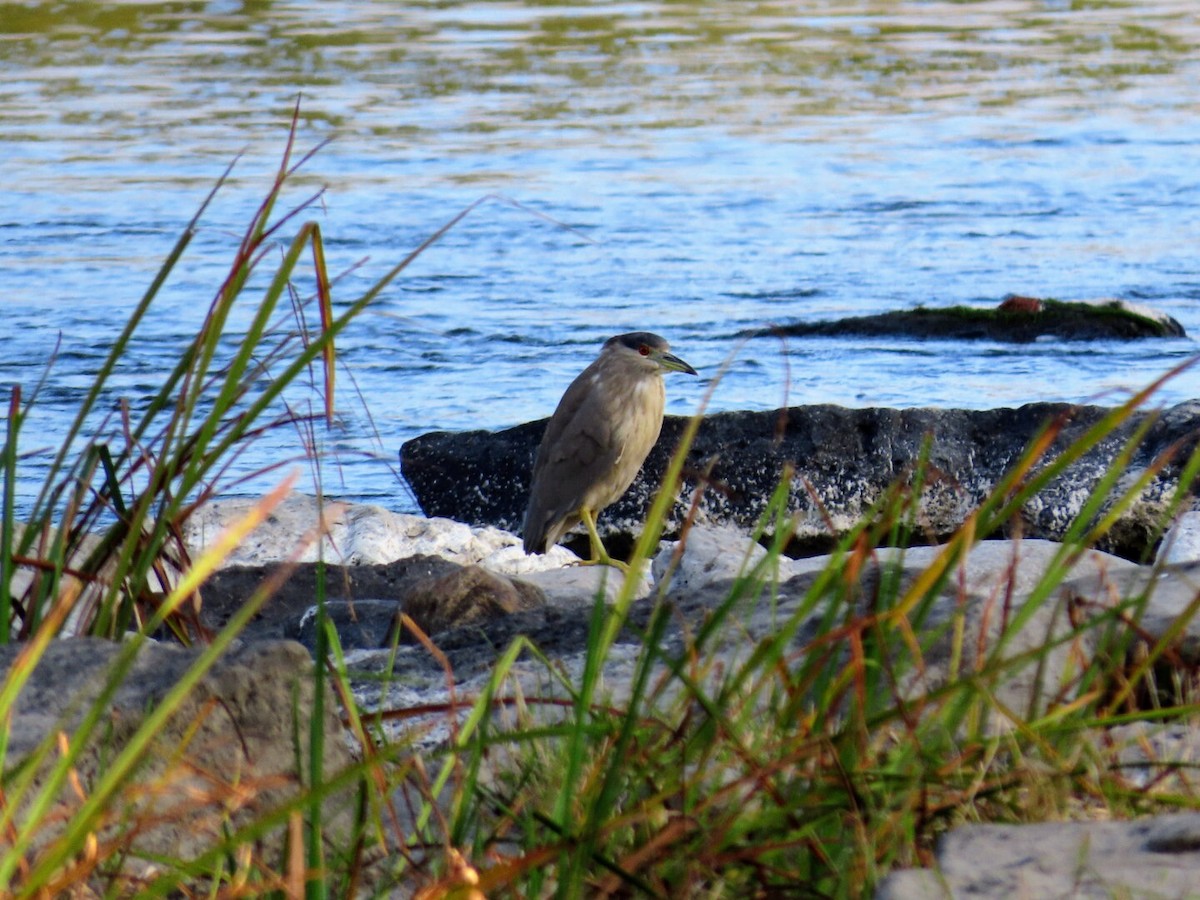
pixel 1017 323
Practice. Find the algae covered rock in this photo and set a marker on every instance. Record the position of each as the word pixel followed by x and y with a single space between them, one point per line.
pixel 1017 320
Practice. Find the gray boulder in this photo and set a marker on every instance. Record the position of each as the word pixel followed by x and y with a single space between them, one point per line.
pixel 225 758
pixel 1156 857
pixel 1161 757
pixel 839 462
pixel 1182 542
pixel 1163 596
pixel 988 587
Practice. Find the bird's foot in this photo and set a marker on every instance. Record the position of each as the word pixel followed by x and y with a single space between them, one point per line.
pixel 600 556
pixel 604 560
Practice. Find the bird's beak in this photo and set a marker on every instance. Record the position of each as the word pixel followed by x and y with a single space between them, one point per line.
pixel 673 363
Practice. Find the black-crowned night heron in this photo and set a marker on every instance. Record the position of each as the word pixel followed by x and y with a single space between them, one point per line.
pixel 598 438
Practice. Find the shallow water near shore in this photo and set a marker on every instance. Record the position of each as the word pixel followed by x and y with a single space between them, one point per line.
pixel 720 167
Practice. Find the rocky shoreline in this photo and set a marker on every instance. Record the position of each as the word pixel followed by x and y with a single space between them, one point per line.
pixel 466 583
pixel 552 607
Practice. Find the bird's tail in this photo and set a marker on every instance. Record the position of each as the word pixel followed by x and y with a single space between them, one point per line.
pixel 533 531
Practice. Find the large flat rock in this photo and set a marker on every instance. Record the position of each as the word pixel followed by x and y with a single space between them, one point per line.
pixel 840 461
pixel 229 754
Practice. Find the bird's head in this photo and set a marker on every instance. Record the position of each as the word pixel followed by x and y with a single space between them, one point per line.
pixel 652 352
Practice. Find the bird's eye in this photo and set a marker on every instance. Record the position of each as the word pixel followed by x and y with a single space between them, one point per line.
pixel 644 350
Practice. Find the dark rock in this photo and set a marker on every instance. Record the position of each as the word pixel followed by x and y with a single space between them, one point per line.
pixel 1015 322
pixel 365 602
pixel 360 624
pixel 841 462
pixel 465 597
pixel 481 477
pixel 473 650
pixel 280 617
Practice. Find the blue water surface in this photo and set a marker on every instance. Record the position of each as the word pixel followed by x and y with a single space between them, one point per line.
pixel 695 169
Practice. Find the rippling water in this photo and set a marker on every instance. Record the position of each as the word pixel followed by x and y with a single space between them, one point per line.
pixel 720 165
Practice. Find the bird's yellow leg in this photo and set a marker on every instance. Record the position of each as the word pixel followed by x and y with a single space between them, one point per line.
pixel 600 556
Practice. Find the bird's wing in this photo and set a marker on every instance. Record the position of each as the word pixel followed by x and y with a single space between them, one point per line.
pixel 577 452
